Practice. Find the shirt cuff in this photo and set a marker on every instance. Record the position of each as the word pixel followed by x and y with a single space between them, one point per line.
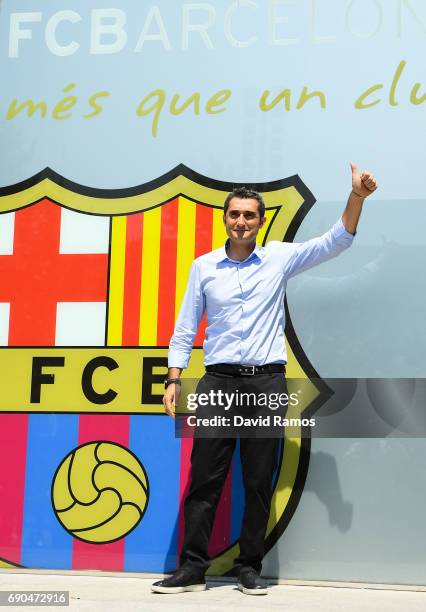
pixel 341 233
pixel 176 359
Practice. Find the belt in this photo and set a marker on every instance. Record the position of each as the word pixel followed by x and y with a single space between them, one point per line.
pixel 246 370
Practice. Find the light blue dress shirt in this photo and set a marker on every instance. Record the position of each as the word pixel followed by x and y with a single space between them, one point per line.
pixel 244 300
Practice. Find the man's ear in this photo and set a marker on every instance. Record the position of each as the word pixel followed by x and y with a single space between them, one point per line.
pixel 223 217
pixel 262 222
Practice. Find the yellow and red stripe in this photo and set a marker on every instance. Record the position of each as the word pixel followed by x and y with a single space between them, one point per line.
pixel 151 255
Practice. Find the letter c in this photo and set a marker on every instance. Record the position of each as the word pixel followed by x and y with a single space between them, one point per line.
pixel 50 34
pixel 87 380
pixel 228 19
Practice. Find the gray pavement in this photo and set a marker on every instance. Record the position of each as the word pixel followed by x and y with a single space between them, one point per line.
pixel 111 593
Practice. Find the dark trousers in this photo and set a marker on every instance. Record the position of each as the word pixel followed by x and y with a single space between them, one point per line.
pixel 210 461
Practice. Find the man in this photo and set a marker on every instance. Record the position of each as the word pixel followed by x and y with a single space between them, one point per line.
pixel 241 286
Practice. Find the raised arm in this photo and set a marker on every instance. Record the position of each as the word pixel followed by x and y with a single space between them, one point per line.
pixel 363 185
pixel 308 254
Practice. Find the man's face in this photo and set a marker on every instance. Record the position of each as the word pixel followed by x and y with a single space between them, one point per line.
pixel 242 220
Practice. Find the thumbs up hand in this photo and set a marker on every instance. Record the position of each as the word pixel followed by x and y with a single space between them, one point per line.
pixel 364 183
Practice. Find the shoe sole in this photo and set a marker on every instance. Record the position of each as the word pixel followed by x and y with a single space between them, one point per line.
pixel 247 591
pixel 191 588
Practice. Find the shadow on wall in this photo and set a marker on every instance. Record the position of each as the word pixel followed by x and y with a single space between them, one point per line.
pixel 328 490
pixel 324 482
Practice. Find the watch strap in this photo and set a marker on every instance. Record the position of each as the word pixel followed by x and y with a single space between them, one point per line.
pixel 171 381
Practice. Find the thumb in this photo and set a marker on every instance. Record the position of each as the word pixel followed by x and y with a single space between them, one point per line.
pixel 353 168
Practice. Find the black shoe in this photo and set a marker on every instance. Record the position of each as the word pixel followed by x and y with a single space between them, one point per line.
pixel 183 579
pixel 250 583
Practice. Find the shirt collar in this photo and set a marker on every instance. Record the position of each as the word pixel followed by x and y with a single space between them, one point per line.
pixel 257 253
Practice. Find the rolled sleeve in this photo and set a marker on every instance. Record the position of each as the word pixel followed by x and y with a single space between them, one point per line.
pixel 190 314
pixel 342 234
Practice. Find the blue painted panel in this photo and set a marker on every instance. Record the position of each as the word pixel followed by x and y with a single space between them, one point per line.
pixel 45 543
pixel 152 546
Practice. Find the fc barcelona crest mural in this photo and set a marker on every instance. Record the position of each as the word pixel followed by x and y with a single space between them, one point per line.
pixel 92 475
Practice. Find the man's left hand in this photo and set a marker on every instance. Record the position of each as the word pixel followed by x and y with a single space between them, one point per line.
pixel 363 183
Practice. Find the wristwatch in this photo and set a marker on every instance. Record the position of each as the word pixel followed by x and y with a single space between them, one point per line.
pixel 171 381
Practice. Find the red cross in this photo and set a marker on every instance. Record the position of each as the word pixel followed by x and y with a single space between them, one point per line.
pixel 36 277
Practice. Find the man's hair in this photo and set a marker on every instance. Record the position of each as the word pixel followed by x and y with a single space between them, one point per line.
pixel 245 194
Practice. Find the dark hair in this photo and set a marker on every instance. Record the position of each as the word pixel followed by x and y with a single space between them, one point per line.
pixel 245 194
